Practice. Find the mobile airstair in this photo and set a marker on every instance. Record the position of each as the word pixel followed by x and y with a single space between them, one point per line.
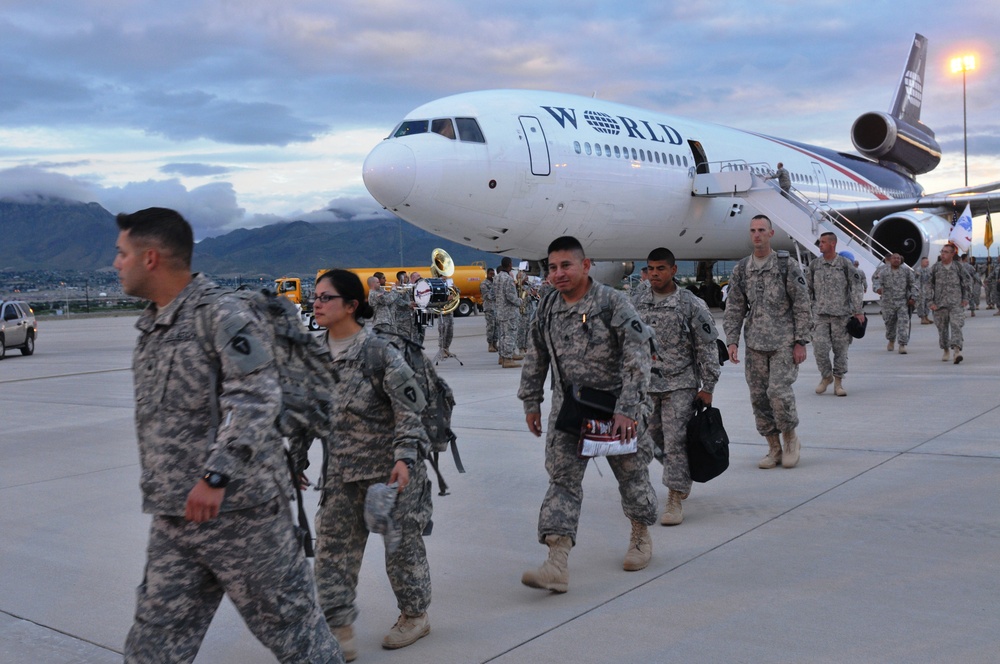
pixel 792 212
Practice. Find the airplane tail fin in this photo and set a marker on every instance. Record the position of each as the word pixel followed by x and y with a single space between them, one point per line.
pixel 909 94
pixel 898 138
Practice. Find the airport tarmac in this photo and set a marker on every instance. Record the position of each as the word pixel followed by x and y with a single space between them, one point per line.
pixel 883 545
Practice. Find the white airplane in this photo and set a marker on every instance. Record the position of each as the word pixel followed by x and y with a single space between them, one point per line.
pixel 507 171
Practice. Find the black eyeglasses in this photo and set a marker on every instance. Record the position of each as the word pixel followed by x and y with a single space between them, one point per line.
pixel 326 298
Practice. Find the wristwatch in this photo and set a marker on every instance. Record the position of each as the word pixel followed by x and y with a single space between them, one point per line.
pixel 408 462
pixel 216 480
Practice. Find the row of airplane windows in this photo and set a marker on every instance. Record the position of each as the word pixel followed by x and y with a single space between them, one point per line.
pixel 630 153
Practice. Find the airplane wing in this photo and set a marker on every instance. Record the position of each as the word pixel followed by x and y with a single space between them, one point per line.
pixel 982 198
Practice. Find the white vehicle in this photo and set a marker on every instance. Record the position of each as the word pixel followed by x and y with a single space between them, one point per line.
pixel 507 171
pixel 18 327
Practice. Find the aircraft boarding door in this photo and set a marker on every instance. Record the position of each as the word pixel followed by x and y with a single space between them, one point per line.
pixel 538 149
pixel 821 183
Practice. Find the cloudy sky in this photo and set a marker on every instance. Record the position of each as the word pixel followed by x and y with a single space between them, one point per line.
pixel 244 112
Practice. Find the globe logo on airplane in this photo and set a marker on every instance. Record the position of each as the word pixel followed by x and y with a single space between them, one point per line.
pixel 602 122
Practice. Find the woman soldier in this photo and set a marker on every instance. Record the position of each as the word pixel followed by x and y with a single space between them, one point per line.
pixel 377 438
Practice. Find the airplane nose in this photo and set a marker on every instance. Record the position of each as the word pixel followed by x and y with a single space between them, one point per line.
pixel 390 172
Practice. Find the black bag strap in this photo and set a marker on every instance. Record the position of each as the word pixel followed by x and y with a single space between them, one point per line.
pixel 304 530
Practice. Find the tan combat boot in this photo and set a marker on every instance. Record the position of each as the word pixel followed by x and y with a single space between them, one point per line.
pixel 554 573
pixel 492 348
pixel 673 513
pixel 790 457
pixel 891 346
pixel 946 356
pixel 773 457
pixel 407 630
pixel 902 349
pixel 838 387
pixel 640 548
pixel 509 363
pixel 345 637
pixel 958 355
pixel 823 384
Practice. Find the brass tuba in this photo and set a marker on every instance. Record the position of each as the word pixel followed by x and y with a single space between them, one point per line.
pixel 442 266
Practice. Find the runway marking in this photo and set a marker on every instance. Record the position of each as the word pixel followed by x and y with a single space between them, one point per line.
pixel 67 375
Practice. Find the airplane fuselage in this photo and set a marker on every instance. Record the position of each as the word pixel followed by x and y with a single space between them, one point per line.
pixel 619 178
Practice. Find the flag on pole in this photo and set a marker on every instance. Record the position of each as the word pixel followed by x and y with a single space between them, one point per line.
pixel 961 233
pixel 988 236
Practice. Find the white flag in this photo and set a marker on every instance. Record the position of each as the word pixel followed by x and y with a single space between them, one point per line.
pixel 961 232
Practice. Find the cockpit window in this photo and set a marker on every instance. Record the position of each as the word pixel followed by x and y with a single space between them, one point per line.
pixel 444 127
pixel 409 127
pixel 469 131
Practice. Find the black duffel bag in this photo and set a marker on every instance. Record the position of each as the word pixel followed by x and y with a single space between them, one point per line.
pixel 707 443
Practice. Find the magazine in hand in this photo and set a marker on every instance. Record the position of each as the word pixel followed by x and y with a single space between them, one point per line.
pixel 596 439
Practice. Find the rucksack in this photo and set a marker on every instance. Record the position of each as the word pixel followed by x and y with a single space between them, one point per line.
pixel 436 416
pixel 305 375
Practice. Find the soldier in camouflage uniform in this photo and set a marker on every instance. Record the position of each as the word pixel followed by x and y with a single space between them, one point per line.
pixel 486 289
pixel 989 283
pixel 642 288
pixel 686 367
pixel 975 283
pixel 221 523
pixel 923 274
pixel 590 335
pixel 899 289
pixel 381 302
pixel 949 296
pixel 377 438
pixel 508 308
pixel 837 292
pixel 769 293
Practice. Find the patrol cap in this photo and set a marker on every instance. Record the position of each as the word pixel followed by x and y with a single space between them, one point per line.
pixel 856 329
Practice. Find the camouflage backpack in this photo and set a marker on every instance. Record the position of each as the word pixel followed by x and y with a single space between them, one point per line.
pixel 305 375
pixel 436 416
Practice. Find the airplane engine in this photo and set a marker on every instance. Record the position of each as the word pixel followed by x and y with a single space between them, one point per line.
pixel 913 234
pixel 884 138
pixel 611 272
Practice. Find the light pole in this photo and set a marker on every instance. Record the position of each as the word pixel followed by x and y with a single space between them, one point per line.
pixel 964 64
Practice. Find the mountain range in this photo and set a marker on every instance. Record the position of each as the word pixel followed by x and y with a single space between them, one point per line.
pixel 60 235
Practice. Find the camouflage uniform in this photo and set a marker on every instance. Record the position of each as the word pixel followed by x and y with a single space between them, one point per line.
pixel 837 291
pixel 486 289
pixel 641 289
pixel 508 312
pixel 777 315
pixel 446 331
pixel 376 424
pixel 249 551
pixel 615 357
pixel 382 301
pixel 687 358
pixel 923 286
pixel 898 286
pixel 949 288
pixel 405 316
pixel 989 284
pixel 975 285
